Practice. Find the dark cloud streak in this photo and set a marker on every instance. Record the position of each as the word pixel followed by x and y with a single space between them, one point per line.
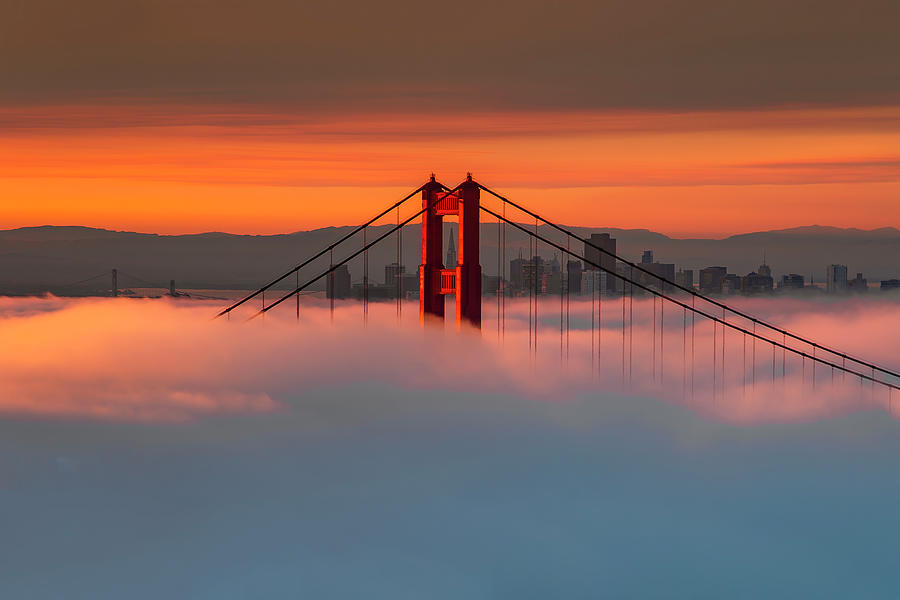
pixel 400 53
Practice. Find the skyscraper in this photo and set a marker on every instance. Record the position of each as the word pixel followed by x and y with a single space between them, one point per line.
pixel 792 281
pixel 593 255
pixel 337 284
pixel 685 278
pixel 392 272
pixel 858 285
pixel 573 275
pixel 711 279
pixel 836 278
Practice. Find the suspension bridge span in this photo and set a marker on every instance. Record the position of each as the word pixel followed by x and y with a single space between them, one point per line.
pixel 464 280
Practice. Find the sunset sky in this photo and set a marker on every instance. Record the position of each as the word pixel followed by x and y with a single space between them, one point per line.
pixel 705 119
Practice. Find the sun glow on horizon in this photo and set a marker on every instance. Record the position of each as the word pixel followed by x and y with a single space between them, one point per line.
pixel 177 169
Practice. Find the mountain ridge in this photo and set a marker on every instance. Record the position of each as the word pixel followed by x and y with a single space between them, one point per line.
pixel 44 258
pixel 56 232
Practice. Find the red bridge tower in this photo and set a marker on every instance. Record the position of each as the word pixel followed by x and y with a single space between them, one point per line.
pixel 464 281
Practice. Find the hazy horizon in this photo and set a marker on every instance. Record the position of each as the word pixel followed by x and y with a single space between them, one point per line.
pixel 797 228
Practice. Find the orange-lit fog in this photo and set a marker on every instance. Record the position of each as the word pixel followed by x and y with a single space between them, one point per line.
pixel 178 169
pixel 159 360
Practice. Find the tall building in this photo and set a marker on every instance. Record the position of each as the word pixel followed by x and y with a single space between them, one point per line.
pixel 593 255
pixel 552 277
pixel 685 278
pixel 836 278
pixel 858 285
pixel 791 282
pixel 517 269
pixel 337 285
pixel 756 283
pixel 573 276
pixel 731 284
pixel 452 258
pixel 392 272
pixel 661 270
pixel 535 279
pixel 711 279
pixel 647 257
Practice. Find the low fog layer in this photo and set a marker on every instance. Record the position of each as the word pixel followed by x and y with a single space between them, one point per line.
pixel 163 360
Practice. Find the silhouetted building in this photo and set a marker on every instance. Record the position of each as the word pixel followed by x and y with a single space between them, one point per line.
pixel 409 285
pixel 756 283
pixel 552 277
pixel 764 270
pixel 534 275
pixel 791 282
pixel 858 285
pixel 890 284
pixel 685 278
pixel 573 276
pixel 517 269
pixel 392 272
pixel 337 284
pixel 530 276
pixel 836 278
pixel 662 271
pixel 731 284
pixel 593 255
pixel 711 279
pixel 596 282
pixel 590 281
pixel 647 257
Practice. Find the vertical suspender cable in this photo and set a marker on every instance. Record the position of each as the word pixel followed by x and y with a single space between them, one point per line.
pixel 630 321
pixel 365 280
pixel 532 273
pixel 653 354
pixel 744 368
pixel 596 282
pixel 683 353
pixel 715 366
pixel 536 290
pixel 724 331
pixel 623 328
pixel 753 359
pixel 503 279
pixel 568 294
pixel 662 339
pixel 331 278
pixel 773 366
pixel 561 301
pixel 593 298
pixel 814 368
pixel 693 318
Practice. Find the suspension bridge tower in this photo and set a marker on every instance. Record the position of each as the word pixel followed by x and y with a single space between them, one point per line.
pixel 463 281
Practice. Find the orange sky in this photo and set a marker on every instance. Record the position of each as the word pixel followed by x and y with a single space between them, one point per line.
pixel 171 168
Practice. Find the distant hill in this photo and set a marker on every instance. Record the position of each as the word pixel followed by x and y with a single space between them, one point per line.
pixel 34 259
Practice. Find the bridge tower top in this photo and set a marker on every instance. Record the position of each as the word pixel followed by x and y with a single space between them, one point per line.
pixel 464 280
